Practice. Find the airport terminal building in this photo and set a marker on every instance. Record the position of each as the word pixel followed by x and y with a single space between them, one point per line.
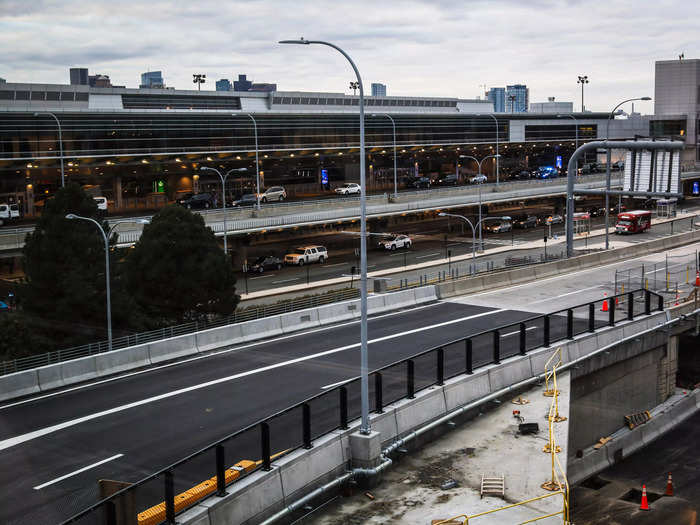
pixel 144 147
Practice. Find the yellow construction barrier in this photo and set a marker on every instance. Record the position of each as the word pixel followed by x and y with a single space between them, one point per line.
pixel 156 514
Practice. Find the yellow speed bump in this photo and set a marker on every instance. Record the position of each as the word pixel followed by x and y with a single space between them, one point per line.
pixel 156 514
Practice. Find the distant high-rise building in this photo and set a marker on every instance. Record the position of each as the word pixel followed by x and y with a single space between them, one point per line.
pixel 517 98
pixel 2 80
pixel 79 76
pixel 223 85
pixel 99 81
pixel 378 90
pixel 551 106
pixel 263 87
pixel 152 80
pixel 497 96
pixel 242 84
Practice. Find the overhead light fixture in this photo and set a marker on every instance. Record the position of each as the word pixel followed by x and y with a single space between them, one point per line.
pixel 177 159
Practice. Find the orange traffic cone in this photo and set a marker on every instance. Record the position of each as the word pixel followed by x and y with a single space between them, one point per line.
pixel 697 278
pixel 676 303
pixel 605 303
pixel 617 301
pixel 669 486
pixel 645 503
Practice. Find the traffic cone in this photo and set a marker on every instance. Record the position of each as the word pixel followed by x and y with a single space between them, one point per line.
pixel 617 301
pixel 676 303
pixel 669 486
pixel 697 278
pixel 605 303
pixel 645 503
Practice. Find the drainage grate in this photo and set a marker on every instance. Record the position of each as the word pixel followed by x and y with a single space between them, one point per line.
pixel 596 483
pixel 635 496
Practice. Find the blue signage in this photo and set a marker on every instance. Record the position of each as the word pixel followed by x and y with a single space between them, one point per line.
pixel 696 188
pixel 558 163
pixel 324 177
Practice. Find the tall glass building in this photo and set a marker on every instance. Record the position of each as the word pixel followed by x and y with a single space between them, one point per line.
pixel 497 96
pixel 378 90
pixel 152 79
pixel 517 98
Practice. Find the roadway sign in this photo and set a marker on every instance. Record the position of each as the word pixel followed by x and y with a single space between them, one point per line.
pixel 654 171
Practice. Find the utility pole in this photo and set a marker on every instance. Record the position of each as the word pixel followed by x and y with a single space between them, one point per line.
pixel 354 86
pixel 583 80
pixel 199 79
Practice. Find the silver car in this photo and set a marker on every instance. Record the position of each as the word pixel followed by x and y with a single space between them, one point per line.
pixel 275 193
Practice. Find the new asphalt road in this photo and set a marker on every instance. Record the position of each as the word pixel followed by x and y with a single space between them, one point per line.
pixel 55 447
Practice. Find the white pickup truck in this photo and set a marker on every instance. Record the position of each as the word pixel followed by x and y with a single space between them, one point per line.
pixel 306 255
pixel 9 213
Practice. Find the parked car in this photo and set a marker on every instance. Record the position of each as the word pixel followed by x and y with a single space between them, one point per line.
pixel 589 168
pixel 477 179
pixel 545 172
pixel 349 188
pixel 9 213
pixel 418 182
pixel 451 179
pixel 521 175
pixel 275 193
pixel 525 222
pixel 196 200
pixel 306 255
pixel 398 241
pixel 499 227
pixel 265 262
pixel 249 199
pixel 101 203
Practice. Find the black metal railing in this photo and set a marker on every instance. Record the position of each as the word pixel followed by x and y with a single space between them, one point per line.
pixel 299 425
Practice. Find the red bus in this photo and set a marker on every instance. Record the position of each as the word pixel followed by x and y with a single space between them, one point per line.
pixel 637 221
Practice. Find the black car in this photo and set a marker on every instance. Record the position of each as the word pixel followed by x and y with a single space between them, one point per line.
pixel 198 200
pixel 249 199
pixel 521 175
pixel 450 179
pixel 265 262
pixel 418 182
pixel 525 222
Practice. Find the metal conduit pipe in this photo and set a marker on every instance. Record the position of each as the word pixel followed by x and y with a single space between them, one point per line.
pixel 386 460
pixel 607 145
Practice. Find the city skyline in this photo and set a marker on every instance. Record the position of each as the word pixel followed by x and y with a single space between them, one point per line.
pixel 416 50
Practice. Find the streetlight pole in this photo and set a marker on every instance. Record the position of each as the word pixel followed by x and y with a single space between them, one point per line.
pixel 582 79
pixel 566 223
pixel 608 160
pixel 223 194
pixel 257 166
pixel 393 126
pixel 478 162
pixel 364 383
pixel 72 216
pixel 60 143
pixel 478 225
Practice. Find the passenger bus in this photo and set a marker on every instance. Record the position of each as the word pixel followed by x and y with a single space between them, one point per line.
pixel 637 221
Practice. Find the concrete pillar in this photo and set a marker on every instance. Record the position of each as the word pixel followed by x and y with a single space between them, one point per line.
pixel 668 370
pixel 29 200
pixel 365 449
pixel 117 190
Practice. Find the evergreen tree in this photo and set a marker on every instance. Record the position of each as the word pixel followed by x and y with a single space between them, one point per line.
pixel 177 272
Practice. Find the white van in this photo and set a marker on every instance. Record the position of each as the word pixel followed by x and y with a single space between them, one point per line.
pixel 9 212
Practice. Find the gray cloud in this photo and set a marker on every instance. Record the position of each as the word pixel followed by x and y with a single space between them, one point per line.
pixel 438 47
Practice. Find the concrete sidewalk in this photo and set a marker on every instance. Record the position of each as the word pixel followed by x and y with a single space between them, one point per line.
pixel 411 491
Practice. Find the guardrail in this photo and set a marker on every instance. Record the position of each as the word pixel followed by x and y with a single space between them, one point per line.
pixel 299 425
pixel 246 314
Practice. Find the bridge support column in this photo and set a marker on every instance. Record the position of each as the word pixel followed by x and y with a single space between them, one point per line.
pixel 668 369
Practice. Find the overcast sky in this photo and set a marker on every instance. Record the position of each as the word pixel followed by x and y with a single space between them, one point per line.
pixel 436 48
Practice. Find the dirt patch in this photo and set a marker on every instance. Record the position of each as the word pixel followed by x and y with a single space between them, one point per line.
pixel 443 498
pixel 436 470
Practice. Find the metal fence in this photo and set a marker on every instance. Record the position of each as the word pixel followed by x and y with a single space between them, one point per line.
pixel 299 425
pixel 246 314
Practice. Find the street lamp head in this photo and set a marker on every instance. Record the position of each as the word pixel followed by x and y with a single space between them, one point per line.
pixel 506 218
pixel 302 40
pixel 442 214
pixel 645 98
pixel 71 216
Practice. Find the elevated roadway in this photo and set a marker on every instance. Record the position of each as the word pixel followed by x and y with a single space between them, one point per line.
pixel 126 427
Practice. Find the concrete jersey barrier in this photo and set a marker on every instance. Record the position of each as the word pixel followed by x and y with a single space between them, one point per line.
pixel 86 368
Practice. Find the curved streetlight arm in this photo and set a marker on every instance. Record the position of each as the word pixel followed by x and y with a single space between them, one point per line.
pixel 60 141
pixel 365 427
pixel 612 113
pixel 72 216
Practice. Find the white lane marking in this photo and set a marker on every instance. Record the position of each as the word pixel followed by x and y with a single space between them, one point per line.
pixel 10 442
pixel 424 256
pixel 116 456
pixel 397 254
pixel 336 264
pixel 286 280
pixel 262 277
pixel 373 266
pixel 333 385
pixel 517 332
pixel 234 348
pixel 570 293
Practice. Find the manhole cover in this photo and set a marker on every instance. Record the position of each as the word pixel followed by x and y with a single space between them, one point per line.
pixel 635 496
